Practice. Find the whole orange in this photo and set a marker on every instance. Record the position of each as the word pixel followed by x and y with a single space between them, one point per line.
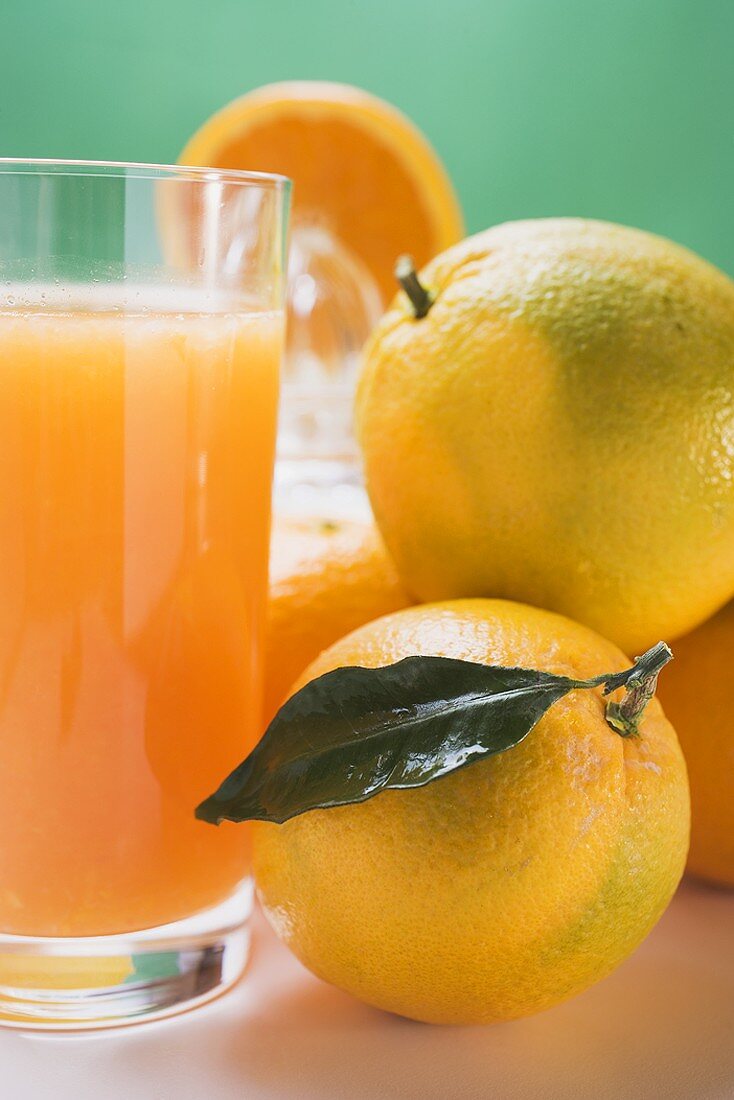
pixel 327 576
pixel 507 885
pixel 557 428
pixel 696 694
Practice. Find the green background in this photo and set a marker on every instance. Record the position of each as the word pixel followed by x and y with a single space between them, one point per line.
pixel 618 109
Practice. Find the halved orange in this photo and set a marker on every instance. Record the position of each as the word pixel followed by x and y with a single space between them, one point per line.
pixel 360 168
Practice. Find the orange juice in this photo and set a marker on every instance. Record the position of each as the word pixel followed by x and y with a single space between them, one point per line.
pixel 134 509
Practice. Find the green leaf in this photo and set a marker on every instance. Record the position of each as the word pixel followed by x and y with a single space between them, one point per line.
pixel 356 731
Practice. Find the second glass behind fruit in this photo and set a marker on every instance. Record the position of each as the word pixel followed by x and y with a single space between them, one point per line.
pixel 333 303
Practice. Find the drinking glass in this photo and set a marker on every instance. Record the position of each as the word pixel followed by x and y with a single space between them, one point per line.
pixel 141 326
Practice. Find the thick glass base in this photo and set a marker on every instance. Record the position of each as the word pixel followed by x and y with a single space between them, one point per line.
pixel 106 981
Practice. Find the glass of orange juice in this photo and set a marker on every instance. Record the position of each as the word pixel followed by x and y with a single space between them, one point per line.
pixel 141 327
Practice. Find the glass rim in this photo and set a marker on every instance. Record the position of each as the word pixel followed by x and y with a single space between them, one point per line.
pixel 120 169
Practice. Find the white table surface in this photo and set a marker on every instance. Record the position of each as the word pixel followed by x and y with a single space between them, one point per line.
pixel 660 1028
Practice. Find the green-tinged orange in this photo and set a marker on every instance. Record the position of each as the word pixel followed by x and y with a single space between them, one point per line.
pixel 559 428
